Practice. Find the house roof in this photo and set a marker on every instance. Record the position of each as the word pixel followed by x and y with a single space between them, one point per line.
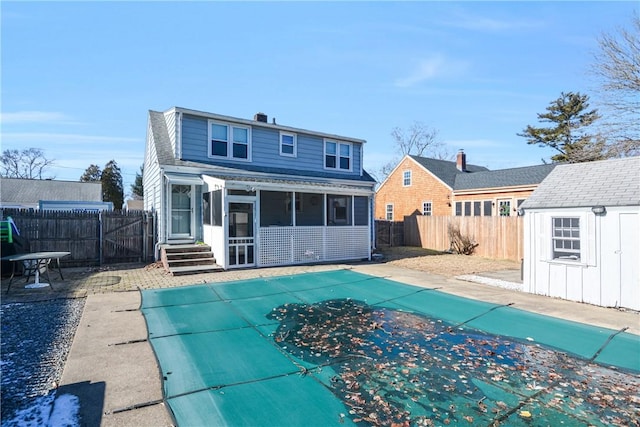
pixel 166 156
pixel 445 170
pixel 614 182
pixel 14 191
pixel 529 175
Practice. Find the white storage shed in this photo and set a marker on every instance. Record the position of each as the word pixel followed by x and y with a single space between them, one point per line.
pixel 582 234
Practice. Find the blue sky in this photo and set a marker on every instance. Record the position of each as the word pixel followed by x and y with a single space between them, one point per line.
pixel 79 77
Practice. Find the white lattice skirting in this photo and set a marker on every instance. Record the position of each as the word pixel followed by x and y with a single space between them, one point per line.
pixel 299 245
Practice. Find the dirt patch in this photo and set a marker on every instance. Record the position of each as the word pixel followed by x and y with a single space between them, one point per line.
pixel 442 263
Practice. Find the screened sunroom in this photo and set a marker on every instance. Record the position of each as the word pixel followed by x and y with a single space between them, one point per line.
pixel 260 224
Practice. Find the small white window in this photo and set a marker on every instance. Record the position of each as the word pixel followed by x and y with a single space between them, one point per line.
pixel 390 212
pixel 288 144
pixel 406 178
pixel 566 238
pixel 426 208
pixel 337 155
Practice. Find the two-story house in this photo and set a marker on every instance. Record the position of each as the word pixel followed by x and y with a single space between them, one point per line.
pixel 259 193
pixel 426 186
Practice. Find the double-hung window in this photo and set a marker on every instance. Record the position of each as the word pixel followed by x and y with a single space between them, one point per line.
pixel 389 212
pixel 288 142
pixel 566 238
pixel 337 155
pixel 229 141
pixel 406 179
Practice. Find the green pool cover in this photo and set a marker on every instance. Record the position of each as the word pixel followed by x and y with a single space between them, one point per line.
pixel 344 348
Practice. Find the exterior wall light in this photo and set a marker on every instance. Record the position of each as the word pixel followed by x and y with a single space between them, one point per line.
pixel 520 212
pixel 599 210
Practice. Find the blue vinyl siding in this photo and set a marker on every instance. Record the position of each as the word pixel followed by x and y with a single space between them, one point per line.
pixel 265 148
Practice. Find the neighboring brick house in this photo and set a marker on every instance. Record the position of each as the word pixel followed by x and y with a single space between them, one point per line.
pixel 425 186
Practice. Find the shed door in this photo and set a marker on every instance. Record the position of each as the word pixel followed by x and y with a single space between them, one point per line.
pixel 629 257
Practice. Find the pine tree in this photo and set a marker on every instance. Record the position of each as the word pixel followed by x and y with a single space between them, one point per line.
pixel 112 186
pixel 137 191
pixel 91 174
pixel 569 115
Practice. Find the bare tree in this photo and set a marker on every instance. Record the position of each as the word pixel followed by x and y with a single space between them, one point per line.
pixel 617 69
pixel 29 163
pixel 418 140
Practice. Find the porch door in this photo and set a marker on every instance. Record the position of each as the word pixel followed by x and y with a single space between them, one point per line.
pixel 182 211
pixel 241 234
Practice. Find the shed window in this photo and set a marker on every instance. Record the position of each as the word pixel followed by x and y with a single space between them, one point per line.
pixel 389 212
pixel 566 238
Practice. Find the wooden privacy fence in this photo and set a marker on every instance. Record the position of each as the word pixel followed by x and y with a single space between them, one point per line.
pixel 498 237
pixel 93 238
pixel 389 233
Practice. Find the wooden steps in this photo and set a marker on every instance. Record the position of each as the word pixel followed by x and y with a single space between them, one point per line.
pixel 186 259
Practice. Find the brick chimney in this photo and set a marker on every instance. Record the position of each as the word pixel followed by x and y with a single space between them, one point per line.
pixel 260 117
pixel 461 161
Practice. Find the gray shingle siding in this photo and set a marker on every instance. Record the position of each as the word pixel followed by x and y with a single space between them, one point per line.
pixel 614 182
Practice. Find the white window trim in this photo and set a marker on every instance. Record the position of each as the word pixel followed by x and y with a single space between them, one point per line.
pixel 587 240
pixel 430 207
pixel 230 127
pixel 404 184
pixel 338 143
pixel 386 212
pixel 295 144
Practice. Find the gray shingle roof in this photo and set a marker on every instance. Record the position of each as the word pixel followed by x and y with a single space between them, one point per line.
pixel 614 182
pixel 446 170
pixel 31 191
pixel 529 175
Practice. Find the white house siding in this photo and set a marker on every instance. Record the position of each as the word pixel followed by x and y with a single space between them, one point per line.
pixel 151 176
pixel 607 274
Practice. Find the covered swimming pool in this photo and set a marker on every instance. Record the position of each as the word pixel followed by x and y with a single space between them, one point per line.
pixel 345 348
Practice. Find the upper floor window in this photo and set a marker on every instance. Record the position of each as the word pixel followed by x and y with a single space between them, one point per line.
pixel 389 212
pixel 426 208
pixel 504 207
pixel 566 238
pixel 288 144
pixel 406 178
pixel 229 141
pixel 337 155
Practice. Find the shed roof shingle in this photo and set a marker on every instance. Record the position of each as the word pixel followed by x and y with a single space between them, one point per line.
pixel 614 182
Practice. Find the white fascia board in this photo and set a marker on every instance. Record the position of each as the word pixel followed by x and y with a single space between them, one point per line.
pixel 247 122
pixel 492 190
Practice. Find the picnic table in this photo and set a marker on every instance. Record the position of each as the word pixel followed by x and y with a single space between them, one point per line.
pixel 35 262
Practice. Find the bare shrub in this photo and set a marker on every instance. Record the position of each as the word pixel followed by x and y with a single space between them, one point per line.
pixel 460 244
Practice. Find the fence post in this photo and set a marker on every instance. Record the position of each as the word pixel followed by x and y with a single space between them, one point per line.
pixel 100 239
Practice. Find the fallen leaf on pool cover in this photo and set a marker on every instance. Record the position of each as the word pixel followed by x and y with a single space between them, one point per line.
pixel 409 369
